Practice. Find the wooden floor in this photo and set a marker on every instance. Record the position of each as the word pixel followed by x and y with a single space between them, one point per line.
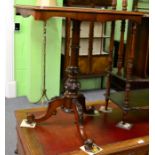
pixel 59 134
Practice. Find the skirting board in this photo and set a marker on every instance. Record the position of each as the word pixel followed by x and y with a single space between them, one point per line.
pixel 10 90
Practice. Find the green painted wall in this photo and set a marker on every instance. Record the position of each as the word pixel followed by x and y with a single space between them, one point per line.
pixel 29 56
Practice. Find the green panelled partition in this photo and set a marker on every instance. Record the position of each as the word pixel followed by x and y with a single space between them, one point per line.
pixel 29 55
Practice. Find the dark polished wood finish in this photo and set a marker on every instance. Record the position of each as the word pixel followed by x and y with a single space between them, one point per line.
pixel 72 98
pixel 82 14
pixel 58 135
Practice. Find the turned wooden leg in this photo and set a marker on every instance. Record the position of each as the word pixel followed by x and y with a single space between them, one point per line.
pixel 51 110
pixel 106 104
pixel 107 92
pixel 110 59
pixel 124 119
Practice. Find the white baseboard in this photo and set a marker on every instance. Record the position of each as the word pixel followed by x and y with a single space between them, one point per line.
pixel 10 90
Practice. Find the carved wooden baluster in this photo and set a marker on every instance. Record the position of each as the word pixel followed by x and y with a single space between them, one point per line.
pixel 67 44
pixel 124 5
pixel 90 43
pixel 114 3
pixel 90 47
pixel 72 85
pixel 111 47
pixel 121 45
pixel 129 69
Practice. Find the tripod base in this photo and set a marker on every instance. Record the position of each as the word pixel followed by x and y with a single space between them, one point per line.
pixel 78 106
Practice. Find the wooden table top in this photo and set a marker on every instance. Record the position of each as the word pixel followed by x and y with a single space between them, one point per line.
pixel 59 135
pixel 78 13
